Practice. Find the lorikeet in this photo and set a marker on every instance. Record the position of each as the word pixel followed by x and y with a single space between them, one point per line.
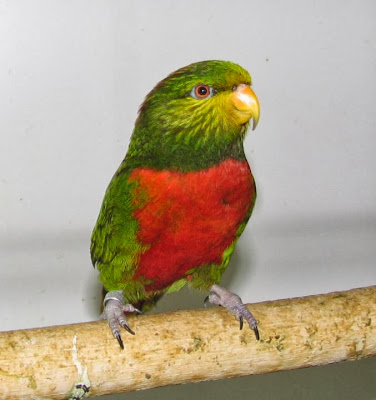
pixel 183 194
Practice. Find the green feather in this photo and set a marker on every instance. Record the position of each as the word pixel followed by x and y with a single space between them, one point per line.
pixel 173 131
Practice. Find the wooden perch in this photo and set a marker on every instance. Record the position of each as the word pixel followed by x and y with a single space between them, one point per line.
pixel 83 360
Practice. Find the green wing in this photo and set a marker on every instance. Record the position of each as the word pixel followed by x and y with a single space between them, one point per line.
pixel 114 247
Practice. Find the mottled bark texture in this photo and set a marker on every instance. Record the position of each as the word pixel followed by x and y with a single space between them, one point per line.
pixel 83 360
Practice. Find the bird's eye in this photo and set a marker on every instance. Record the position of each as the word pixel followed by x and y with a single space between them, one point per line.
pixel 202 91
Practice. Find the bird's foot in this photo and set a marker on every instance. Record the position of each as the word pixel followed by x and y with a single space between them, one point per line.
pixel 114 308
pixel 234 305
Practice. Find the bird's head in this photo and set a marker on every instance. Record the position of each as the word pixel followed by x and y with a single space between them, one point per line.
pixel 205 104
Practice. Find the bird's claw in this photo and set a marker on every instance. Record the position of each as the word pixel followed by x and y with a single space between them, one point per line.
pixel 234 305
pixel 241 322
pixel 114 309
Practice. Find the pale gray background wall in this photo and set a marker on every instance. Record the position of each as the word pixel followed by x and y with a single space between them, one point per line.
pixel 72 75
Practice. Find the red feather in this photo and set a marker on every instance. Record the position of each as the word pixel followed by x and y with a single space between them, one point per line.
pixel 188 219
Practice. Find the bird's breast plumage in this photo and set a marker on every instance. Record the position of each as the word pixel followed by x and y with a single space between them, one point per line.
pixel 187 220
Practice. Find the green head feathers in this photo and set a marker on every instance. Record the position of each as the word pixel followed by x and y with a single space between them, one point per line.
pixel 198 114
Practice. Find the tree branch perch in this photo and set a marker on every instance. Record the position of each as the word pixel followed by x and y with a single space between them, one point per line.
pixel 82 360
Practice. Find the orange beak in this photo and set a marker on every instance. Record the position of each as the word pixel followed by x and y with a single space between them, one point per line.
pixel 246 104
